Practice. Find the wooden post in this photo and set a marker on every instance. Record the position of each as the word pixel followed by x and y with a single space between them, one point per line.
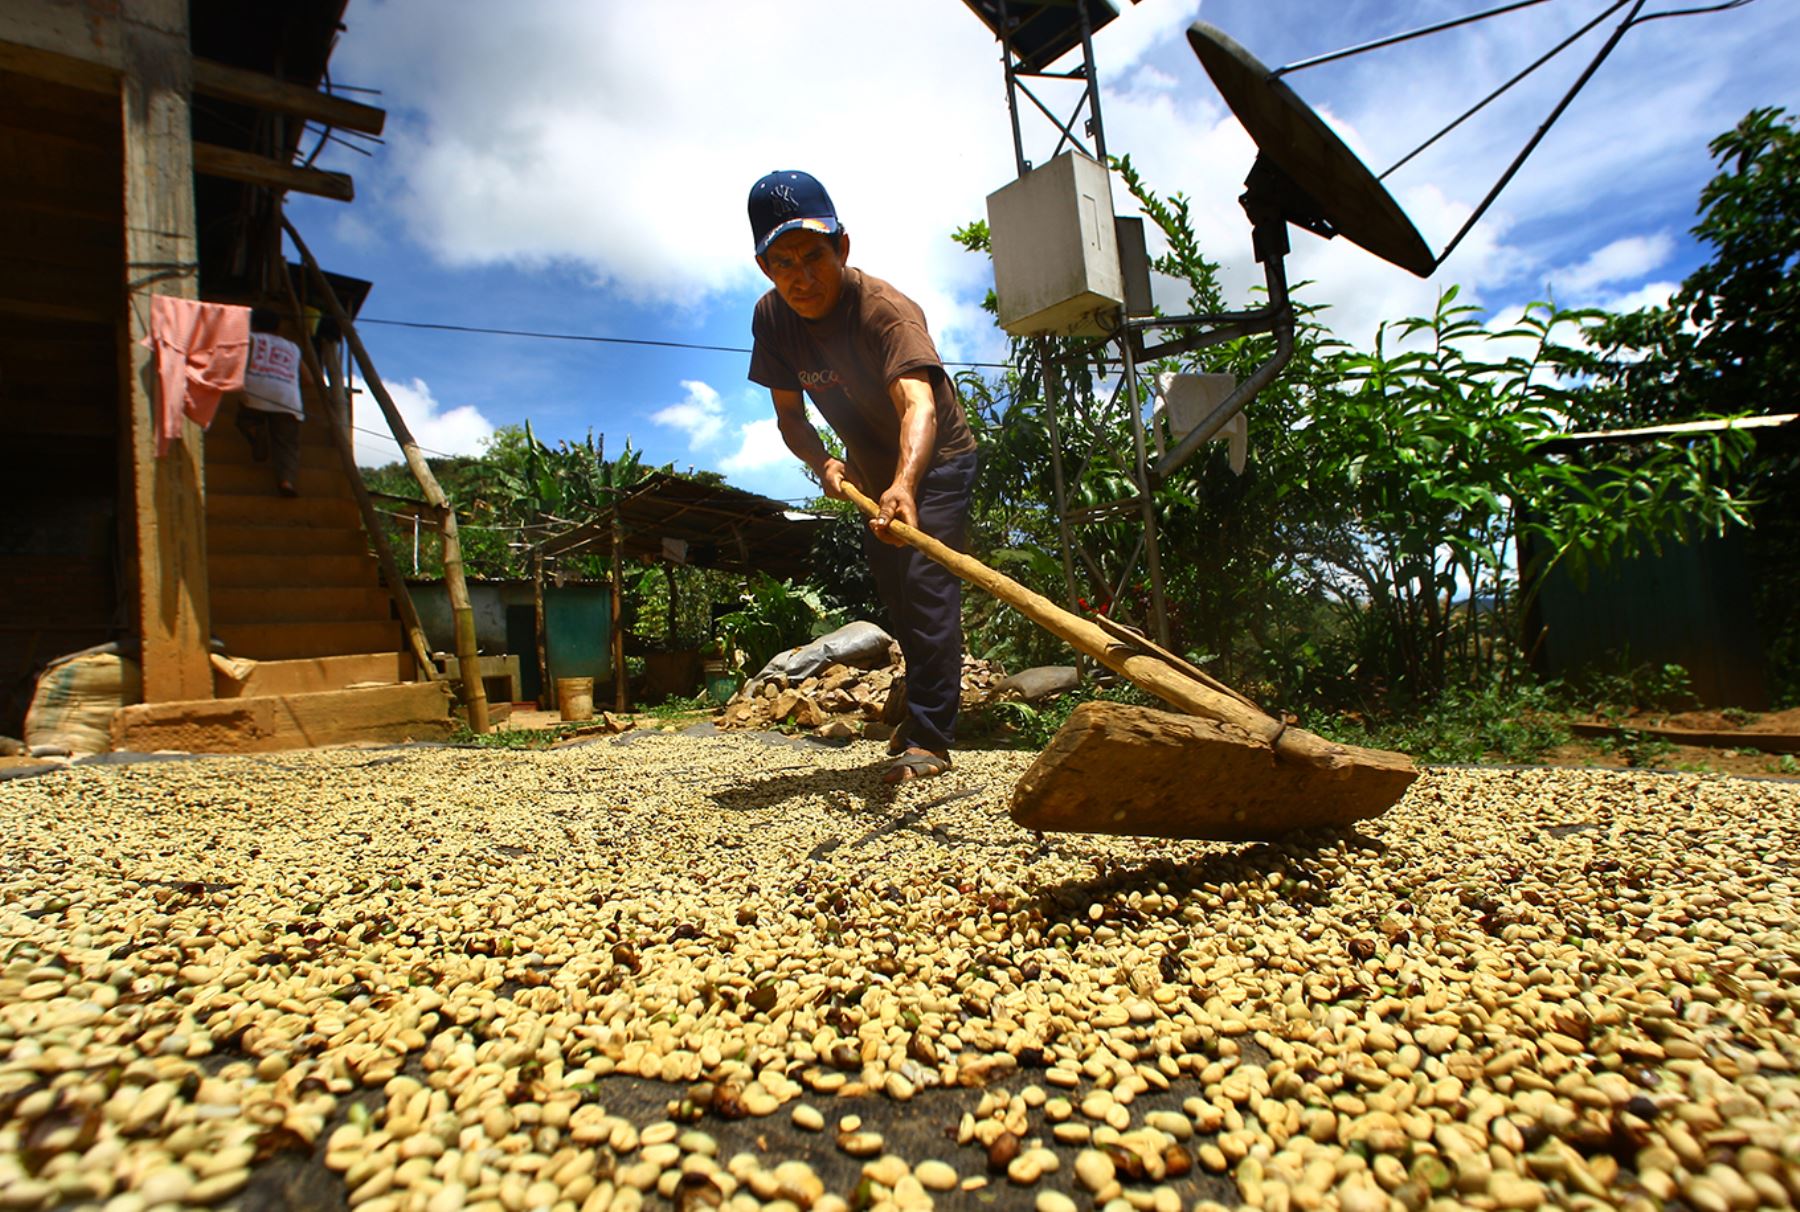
pixel 474 693
pixel 546 692
pixel 336 397
pixel 162 257
pixel 618 609
pixel 674 600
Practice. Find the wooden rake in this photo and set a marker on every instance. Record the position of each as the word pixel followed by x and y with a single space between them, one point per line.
pixel 1223 769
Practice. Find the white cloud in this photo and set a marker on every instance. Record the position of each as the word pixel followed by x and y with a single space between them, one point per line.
pixel 701 416
pixel 1626 259
pixel 355 231
pixel 619 139
pixel 1651 294
pixel 759 448
pixel 1619 171
pixel 623 138
pixel 460 430
pixel 1154 78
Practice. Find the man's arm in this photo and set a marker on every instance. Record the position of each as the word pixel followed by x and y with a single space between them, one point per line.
pixel 913 400
pixel 805 442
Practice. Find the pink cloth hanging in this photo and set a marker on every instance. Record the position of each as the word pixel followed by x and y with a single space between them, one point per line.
pixel 201 352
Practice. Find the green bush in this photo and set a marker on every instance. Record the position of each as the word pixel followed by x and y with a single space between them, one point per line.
pixel 1031 726
pixel 1513 724
pixel 1626 688
pixel 774 616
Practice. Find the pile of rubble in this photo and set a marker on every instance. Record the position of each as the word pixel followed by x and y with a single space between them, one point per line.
pixel 842 701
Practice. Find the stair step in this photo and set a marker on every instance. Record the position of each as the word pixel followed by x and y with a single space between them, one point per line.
pixel 308 605
pixel 315 432
pixel 244 539
pixel 289 641
pixel 233 570
pixel 225 452
pixel 258 480
pixel 264 723
pixel 312 674
pixel 273 510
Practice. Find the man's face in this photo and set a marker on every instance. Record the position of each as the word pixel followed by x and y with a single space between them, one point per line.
pixel 807 270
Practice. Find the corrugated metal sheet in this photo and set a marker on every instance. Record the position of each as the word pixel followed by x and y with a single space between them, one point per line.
pixel 1689 606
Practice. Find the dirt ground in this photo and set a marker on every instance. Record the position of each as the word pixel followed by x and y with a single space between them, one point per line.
pixel 1650 753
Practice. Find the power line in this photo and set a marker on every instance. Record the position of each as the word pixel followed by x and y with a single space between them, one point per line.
pixel 388 437
pixel 590 338
pixel 442 455
pixel 551 336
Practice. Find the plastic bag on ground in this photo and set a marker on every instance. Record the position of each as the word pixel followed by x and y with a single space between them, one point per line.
pixel 861 645
pixel 1038 682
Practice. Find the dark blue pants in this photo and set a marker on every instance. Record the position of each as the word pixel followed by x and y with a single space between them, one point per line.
pixel 924 603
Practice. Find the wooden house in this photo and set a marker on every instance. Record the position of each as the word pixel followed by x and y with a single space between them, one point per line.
pixel 146 147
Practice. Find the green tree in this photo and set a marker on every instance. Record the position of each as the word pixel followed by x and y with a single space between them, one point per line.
pixel 1727 343
pixel 1369 555
pixel 1433 459
pixel 516 491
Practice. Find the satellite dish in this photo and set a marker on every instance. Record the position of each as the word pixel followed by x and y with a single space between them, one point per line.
pixel 1303 170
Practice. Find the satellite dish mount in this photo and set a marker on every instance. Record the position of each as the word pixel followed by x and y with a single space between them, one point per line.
pixel 1046 241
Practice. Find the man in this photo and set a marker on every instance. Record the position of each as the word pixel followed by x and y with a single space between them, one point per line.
pixel 271 409
pixel 861 351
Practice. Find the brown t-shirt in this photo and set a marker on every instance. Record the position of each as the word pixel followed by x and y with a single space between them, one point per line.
pixel 845 363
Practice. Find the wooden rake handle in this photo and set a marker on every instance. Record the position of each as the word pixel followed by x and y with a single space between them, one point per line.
pixel 1150 672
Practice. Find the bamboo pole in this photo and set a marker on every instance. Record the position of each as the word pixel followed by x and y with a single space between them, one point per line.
pixel 338 397
pixel 1149 672
pixel 469 660
pixel 546 691
pixel 618 609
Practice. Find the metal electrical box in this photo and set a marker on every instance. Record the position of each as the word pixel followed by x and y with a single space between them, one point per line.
pixel 1056 254
pixel 1134 265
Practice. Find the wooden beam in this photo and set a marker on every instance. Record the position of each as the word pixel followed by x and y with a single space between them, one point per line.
pixel 621 695
pixel 74 43
pixel 235 165
pixel 455 585
pixel 162 256
pixel 546 692
pixel 266 723
pixel 61 69
pixel 266 92
pixel 336 397
pixel 37 309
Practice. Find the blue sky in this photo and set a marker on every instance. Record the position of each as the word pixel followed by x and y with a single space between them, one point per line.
pixel 580 166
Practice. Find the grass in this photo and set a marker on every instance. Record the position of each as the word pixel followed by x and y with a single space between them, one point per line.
pixel 676 707
pixel 672 710
pixel 1638 750
pixel 515 738
pixel 1019 725
pixel 1517 724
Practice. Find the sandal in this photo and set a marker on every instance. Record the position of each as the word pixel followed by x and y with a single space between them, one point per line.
pixel 897 742
pixel 915 764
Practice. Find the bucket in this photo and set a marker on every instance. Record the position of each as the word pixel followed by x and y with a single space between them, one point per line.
pixel 721 681
pixel 575 698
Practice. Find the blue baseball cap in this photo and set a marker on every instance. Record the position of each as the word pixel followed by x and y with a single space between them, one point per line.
pixel 788 200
